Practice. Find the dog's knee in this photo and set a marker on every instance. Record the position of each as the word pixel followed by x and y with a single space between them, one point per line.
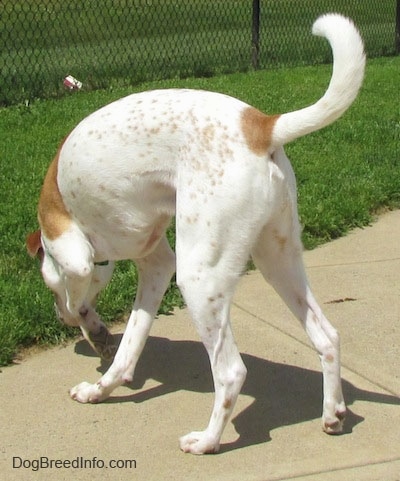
pixel 240 373
pixel 234 377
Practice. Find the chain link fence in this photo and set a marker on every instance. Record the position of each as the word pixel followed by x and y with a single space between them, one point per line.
pixel 106 43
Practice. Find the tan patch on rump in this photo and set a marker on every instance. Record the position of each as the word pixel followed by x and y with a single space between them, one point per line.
pixel 53 216
pixel 257 129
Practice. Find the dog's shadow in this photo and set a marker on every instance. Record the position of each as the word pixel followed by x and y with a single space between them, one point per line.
pixel 283 394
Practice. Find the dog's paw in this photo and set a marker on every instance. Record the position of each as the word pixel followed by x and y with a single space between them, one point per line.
pixel 87 393
pixel 198 443
pixel 334 424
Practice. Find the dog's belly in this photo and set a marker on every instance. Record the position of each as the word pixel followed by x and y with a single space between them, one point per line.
pixel 124 220
pixel 123 243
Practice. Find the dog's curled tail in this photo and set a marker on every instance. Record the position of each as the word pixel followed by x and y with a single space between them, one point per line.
pixel 348 72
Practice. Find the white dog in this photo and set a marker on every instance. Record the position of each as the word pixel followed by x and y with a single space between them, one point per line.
pixel 218 165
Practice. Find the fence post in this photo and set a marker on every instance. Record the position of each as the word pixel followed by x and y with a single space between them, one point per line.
pixel 397 33
pixel 255 34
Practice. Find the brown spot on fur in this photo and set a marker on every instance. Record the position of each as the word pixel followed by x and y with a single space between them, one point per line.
pixel 156 234
pixel 281 240
pixel 329 358
pixel 257 129
pixel 209 133
pixel 227 403
pixel 53 216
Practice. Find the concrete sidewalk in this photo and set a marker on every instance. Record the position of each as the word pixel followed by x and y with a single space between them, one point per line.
pixel 275 432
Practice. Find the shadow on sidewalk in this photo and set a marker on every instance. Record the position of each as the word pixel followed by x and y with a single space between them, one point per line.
pixel 283 394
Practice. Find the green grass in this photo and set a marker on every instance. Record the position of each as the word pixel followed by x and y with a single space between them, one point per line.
pixel 117 43
pixel 345 174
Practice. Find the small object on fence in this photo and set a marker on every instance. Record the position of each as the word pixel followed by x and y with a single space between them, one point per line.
pixel 72 83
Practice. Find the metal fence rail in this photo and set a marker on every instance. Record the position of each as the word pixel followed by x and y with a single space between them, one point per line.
pixel 122 42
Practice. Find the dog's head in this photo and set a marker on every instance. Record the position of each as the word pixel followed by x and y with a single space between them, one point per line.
pixel 61 280
pixel 53 277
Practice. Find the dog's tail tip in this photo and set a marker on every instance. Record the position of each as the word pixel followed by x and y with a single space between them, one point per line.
pixel 337 28
pixel 327 20
pixel 347 76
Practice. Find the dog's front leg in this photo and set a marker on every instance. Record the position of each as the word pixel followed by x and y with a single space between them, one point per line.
pixel 79 308
pixel 155 272
pixel 93 329
pixel 96 333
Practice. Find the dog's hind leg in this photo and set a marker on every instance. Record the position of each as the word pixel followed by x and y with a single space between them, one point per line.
pixel 155 272
pixel 209 303
pixel 278 255
pixel 210 260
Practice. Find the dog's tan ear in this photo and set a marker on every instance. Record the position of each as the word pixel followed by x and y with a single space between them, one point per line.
pixel 34 244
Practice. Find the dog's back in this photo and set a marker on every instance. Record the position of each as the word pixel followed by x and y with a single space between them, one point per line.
pixel 118 169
